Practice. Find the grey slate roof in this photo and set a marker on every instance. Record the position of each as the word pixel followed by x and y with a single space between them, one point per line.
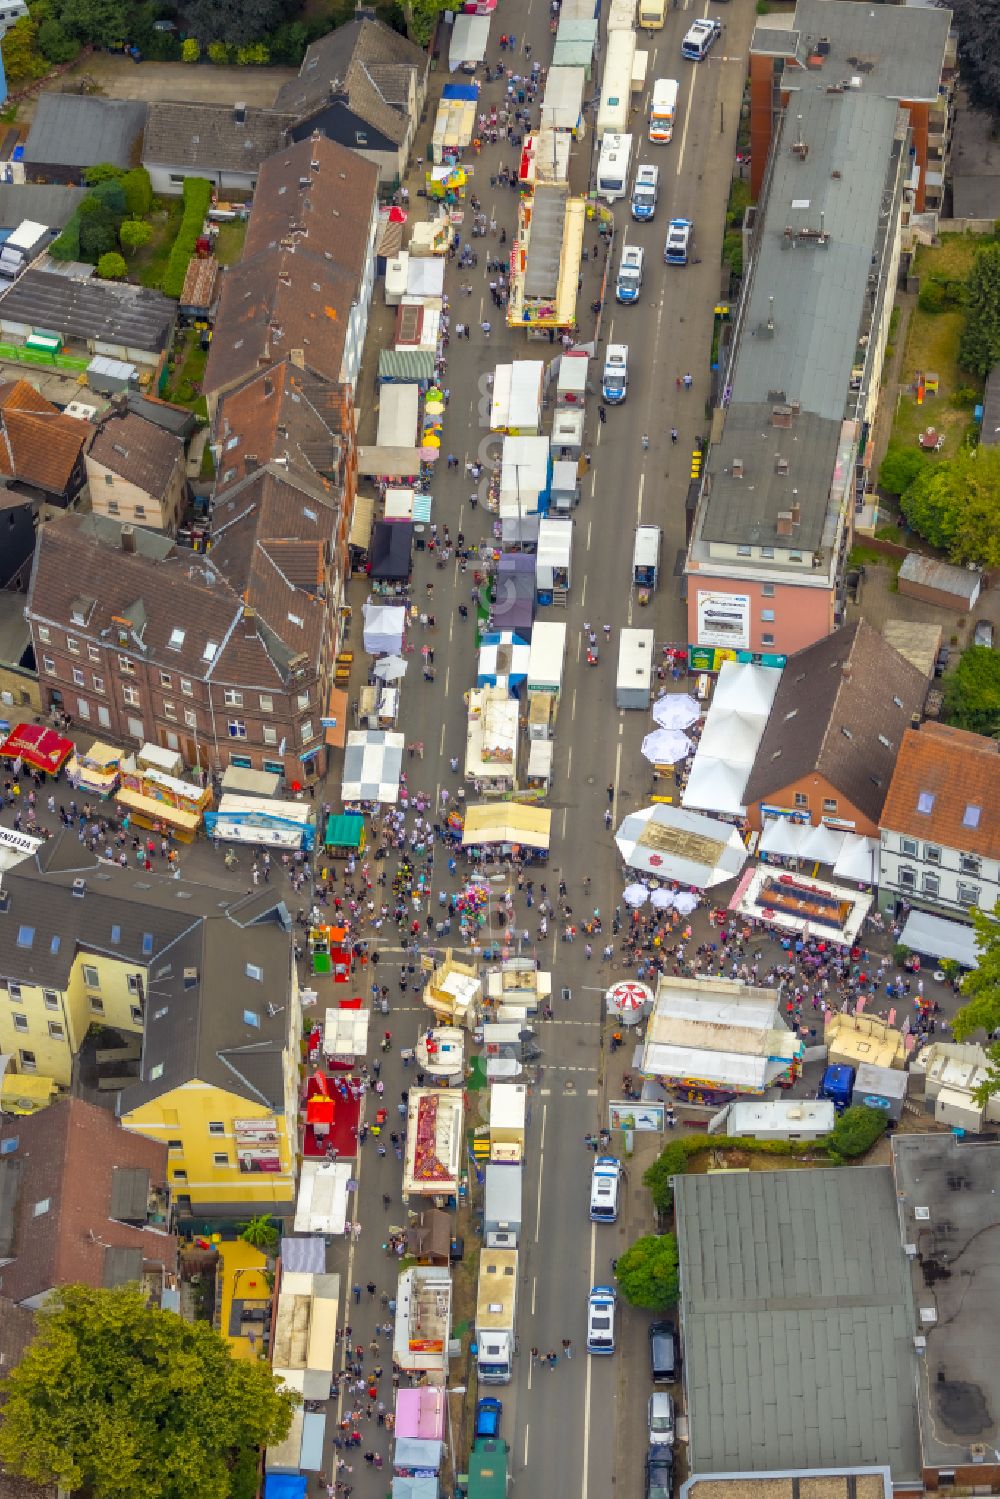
pixel 836 703
pixel 209 136
pixel 798 1322
pixel 199 993
pixel 897 51
pixel 350 58
pixel 78 130
pixel 745 510
pixel 44 203
pixel 84 309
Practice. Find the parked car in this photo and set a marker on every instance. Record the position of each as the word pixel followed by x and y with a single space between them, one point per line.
pixel 659 1473
pixel 941 664
pixel 663 1352
pixel 661 1419
pixel 488 1416
pixel 601 1320
pixel 984 634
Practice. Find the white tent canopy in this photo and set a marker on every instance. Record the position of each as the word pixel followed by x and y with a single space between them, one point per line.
pixel 671 844
pixel 384 627
pixel 666 746
pixel 675 710
pixel 715 786
pixel 743 688
pixel 373 761
pixel 852 857
pixel 323 1196
pixel 858 860
pixel 731 738
pixel 936 937
pixel 469 38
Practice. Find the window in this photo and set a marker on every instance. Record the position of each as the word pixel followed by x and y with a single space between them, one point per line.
pixel 241 762
pixel 130 695
pixel 232 698
pixel 125 665
pixel 98 684
pixel 743 551
pixel 767 615
pixel 170 710
pixel 186 687
pixel 14 990
pixel 93 653
pixel 925 802
pixel 908 878
pixel 908 846
pixel 176 640
pixel 78 677
pixel 767 639
pixel 968 895
pixel 140 511
pixel 165 679
pixel 830 805
pixel 220 1158
pixel 932 854
pixel 970 864
pixel 270 734
pixel 73 646
pixel 191 718
pixel 932 884
pixel 136 1012
pixel 134 979
pixel 767 552
pixel 82 708
pixel 970 818
pixel 302 701
pixel 361 137
pixel 56 1031
pixel 795 556
pixel 237 728
pixel 110 479
pixel 216 1127
pixel 275 767
pixel 44 634
pixel 41 1207
pixel 136 729
pixel 49 665
pixel 96 1004
pixel 155 1073
pixel 307 730
pixel 175 1144
pixel 801 800
pixel 50 999
pixel 179 1174
pixel 103 716
pixel 20 1022
pixel 91 977
pixel 27 1060
pixel 767 590
pixel 26 936
pixel 266 703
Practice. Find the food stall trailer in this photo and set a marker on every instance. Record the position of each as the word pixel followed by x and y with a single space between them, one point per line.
pixel 553 560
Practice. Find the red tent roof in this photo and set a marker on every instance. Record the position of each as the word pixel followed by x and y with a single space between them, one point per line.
pixel 320 1110
pixel 41 747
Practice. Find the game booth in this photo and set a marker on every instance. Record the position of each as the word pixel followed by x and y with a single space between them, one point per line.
pixel 38 747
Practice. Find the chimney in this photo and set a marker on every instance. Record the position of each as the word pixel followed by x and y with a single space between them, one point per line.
pixel 780 464
pixel 249 623
pixel 298 358
pixel 251 463
pixel 128 539
pixel 796 511
pixel 240 114
pixel 784 523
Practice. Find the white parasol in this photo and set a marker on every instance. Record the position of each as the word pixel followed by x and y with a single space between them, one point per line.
pixel 635 895
pixel 389 668
pixel 675 710
pixel 662 899
pixel 685 902
pixel 666 746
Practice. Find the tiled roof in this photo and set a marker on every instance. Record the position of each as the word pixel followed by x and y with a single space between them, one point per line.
pixel 64 1163
pixel 78 130
pixel 946 789
pixel 319 196
pixel 138 451
pixel 39 445
pixel 841 709
pixel 285 414
pixel 334 62
pixel 199 282
pixel 85 309
pixel 199 136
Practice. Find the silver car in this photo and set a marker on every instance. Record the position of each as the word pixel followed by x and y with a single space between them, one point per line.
pixel 661 1419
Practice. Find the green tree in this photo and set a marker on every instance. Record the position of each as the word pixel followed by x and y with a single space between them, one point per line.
pixel 133 234
pixel 856 1131
pixel 422 17
pixel 235 22
pixel 67 245
pixel 978 25
pixel 647 1272
pixel 981 990
pixel 138 192
pixel 899 468
pixel 122 1399
pixel 261 1233
pixel 98 233
pixel 671 1161
pixel 218 53
pixel 103 22
pixel 111 194
pixel 980 346
pixel 972 692
pixel 55 42
pixel 190 50
pixel 954 505
pixel 111 267
pixel 21 58
pixel 289 42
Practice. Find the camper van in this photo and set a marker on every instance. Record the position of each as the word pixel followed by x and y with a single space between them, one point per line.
pixel 613 167
pixel 663 111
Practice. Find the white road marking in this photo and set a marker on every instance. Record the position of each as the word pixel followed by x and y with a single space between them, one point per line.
pixel 618 771
pixel 579 647
pixel 642 484
pixel 572 705
pixel 583 592
pixel 541 1168
pixel 589 527
pixel 447 676
pixel 441 749
pixel 569 765
pixel 534 1288
pixel 526 1430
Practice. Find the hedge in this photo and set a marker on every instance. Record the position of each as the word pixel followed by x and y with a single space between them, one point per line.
pixel 197 197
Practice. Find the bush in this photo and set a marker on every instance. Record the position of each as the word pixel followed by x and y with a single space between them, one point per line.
pixel 112 195
pixel 648 1275
pixel 138 190
pixel 111 267
pixel 55 43
pixel 67 245
pixel 98 235
pixel 671 1161
pixel 940 294
pixel 218 53
pixel 732 251
pixel 133 234
pixel 190 51
pixel 899 468
pixel 855 1132
pixel 197 197
pixel 255 55
pixel 900 954
pixel 962 398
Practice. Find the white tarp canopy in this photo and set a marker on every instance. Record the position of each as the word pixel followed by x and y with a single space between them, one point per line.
pixel 676 710
pixel 384 627
pixel 373 761
pixel 345 1033
pixel 322 1202
pixel 425 276
pixel 852 857
pixel 731 738
pixel 937 937
pixel 672 844
pixel 503 660
pixel 858 860
pixel 563 101
pixel 470 37
pixel 398 415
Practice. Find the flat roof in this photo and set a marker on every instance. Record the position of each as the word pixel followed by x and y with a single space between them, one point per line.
pixel 898 51
pixel 948 1207
pixel 798 1322
pixel 541 275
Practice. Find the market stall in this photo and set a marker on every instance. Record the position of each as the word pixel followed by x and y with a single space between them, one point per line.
pixel 553 559
pixel 96 771
pixel 345 1034
pixel 491 740
pixel 470 36
pixel 455 122
pixel 562 104
pixel 398 416
pixel 260 820
pixel 547 255
pixel 793 903
pixel 545 157
pixel 378 705
pixel 539 772
pixel 734 727
pixel 674 845
pixel 344 835
pixel 155 800
pixel 324 1196
pixel 41 748
pixel 547 659
pixel 509 825
pixel 373 761
pixel 384 628
pixel 503 661
pixel 440 1053
pixel 516 407
pixel 513 606
pixel 390 554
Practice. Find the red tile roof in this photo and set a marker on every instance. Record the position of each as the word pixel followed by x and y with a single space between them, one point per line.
pixel 956 777
pixel 39 445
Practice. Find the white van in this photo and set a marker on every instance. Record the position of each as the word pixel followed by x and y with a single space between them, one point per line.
pixel 613 167
pixel 702 36
pixel 605 1185
pixel 644 192
pixel 663 110
pixel 614 381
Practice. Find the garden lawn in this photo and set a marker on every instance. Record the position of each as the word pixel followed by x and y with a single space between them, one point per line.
pixel 229 241
pixel 148 265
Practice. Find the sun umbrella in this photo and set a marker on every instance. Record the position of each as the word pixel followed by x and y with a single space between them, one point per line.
pixel 390 668
pixel 635 895
pixel 662 899
pixel 434 408
pixel 675 710
pixel 430 455
pixel 685 902
pixel 431 440
pixel 666 746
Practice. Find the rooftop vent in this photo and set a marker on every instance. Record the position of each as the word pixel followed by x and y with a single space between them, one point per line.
pixel 781 416
pixel 240 113
pixel 128 539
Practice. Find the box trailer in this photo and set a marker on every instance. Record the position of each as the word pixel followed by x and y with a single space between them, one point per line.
pixel 634 683
pixel 646 557
pixel 881 1088
pixel 501 1206
pixel 616 93
pixel 546 658
pixel 567 429
pixel 565 493
pixel 621 15
pixel 553 557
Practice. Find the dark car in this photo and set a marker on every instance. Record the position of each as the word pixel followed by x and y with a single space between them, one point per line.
pixel 659 1473
pixel 663 1352
pixel 488 1414
pixel 941 664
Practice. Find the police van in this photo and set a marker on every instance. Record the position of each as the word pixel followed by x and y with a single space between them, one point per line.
pixel 614 381
pixel 644 193
pixel 604 1188
pixel 629 282
pixel 702 36
pixel 677 250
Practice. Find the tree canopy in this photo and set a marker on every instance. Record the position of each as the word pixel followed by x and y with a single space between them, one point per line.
pixel 955 505
pixel 978 23
pixel 981 989
pixel 235 22
pixel 900 467
pixel 648 1273
pixel 980 346
pixel 972 692
pixel 123 1399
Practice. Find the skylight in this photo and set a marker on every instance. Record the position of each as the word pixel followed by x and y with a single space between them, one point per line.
pixel 25 936
pixel 176 639
pixel 254 971
pixel 116 934
pixel 252 1018
pixel 208 654
pixel 925 802
pixel 147 944
pixel 156 1072
pixel 971 816
pixel 55 944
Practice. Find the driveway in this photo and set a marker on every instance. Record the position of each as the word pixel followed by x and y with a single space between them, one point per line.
pixel 120 78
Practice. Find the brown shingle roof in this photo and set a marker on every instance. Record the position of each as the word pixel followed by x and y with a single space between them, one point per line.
pixel 320 197
pixel 65 1159
pixel 955 776
pixel 328 62
pixel 288 414
pixel 841 709
pixel 138 451
pixel 199 282
pixel 200 136
pixel 39 445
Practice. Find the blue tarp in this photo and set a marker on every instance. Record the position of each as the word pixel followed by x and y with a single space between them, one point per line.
pixel 467 91
pixel 285 1486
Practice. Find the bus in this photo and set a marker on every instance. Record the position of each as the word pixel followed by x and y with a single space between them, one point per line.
pixel 663 110
pixel 613 167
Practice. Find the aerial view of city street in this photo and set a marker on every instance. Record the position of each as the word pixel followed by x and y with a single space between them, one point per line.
pixel 499 749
